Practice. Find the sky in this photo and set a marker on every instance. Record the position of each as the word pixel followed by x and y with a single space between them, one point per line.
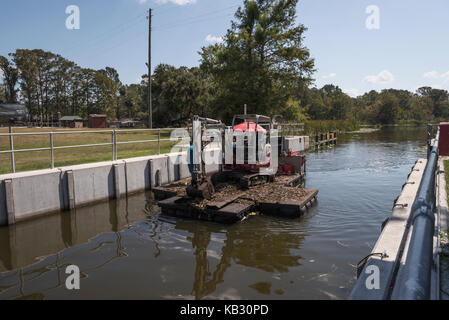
pixel 358 45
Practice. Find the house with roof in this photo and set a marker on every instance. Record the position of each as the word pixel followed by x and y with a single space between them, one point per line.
pixel 72 122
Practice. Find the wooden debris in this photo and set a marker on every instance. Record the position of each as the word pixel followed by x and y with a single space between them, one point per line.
pixel 230 203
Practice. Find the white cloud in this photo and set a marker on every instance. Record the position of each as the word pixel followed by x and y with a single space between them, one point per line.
pixel 329 76
pixel 212 39
pixel 431 75
pixel 445 77
pixel 383 77
pixel 352 92
pixel 440 81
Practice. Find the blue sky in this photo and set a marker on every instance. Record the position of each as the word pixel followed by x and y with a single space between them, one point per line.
pixel 409 49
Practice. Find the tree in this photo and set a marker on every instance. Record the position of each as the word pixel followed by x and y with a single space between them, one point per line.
pixel 113 75
pixel 440 99
pixel 386 108
pixel 2 93
pixel 26 65
pixel 10 77
pixel 422 108
pixel 131 101
pixel 179 94
pixel 262 61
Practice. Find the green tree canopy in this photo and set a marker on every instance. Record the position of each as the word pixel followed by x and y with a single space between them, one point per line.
pixel 10 78
pixel 262 61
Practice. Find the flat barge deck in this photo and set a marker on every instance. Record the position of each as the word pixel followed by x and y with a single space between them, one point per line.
pixel 230 203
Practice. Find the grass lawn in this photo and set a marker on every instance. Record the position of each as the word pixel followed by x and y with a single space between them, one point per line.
pixel 36 160
pixel 446 170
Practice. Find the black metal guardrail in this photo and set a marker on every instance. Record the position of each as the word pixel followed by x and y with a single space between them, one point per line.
pixel 415 282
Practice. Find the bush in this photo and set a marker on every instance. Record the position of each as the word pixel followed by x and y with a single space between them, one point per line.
pixel 317 126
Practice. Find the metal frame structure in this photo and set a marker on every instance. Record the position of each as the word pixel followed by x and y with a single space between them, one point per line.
pixel 114 143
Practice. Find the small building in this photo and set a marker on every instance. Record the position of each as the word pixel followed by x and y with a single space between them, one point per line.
pixel 72 122
pixel 98 121
pixel 128 123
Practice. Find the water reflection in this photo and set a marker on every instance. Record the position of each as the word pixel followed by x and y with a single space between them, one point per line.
pixel 29 247
pixel 24 243
pixel 254 244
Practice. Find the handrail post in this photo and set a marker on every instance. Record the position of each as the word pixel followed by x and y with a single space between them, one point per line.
pixel 159 142
pixel 115 145
pixel 52 157
pixel 11 148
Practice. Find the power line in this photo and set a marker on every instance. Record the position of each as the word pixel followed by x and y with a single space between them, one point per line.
pixel 197 18
pixel 120 28
pixel 106 49
pixel 174 26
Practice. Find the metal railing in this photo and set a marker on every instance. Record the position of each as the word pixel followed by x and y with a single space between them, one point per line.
pixel 52 148
pixel 415 284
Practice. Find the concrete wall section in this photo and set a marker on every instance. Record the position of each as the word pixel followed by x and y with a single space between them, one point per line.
pixel 177 166
pixel 120 179
pixel 159 170
pixel 3 212
pixel 137 175
pixel 93 182
pixel 184 171
pixel 30 194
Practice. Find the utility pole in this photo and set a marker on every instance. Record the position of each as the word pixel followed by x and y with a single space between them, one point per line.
pixel 150 81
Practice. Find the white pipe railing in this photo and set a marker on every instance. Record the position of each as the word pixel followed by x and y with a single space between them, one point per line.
pixel 114 143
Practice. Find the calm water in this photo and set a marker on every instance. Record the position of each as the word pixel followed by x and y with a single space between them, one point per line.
pixel 125 249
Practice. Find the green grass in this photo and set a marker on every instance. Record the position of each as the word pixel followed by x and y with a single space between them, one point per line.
pixel 445 233
pixel 446 170
pixel 316 127
pixel 35 160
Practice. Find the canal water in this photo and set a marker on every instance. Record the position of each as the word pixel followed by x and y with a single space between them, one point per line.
pixel 126 249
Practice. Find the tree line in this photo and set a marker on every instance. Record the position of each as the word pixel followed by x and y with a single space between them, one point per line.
pixel 47 83
pixel 261 62
pixel 389 106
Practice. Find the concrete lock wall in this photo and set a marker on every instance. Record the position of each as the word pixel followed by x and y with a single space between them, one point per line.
pixel 393 242
pixel 30 194
pixel 24 195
